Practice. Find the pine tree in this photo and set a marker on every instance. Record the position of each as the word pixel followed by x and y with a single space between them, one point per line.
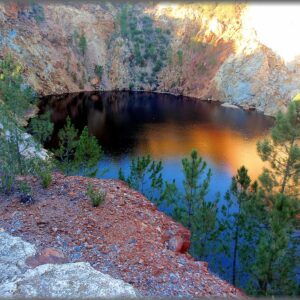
pixel 144 169
pixel 41 127
pixel 68 141
pixel 194 211
pixel 273 271
pixel 87 154
pixel 195 192
pixel 18 151
pixel 239 224
pixel 282 152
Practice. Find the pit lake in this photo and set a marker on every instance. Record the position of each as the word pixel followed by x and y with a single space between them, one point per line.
pixel 130 124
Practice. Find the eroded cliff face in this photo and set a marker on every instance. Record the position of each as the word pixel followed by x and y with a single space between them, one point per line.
pixel 208 51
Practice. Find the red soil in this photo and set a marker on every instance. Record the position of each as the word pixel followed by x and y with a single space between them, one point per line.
pixel 126 237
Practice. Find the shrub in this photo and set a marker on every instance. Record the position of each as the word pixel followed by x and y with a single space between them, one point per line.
pixel 26 193
pixel 74 77
pixel 157 66
pixel 38 13
pixel 46 178
pixel 98 70
pixel 97 197
pixel 123 21
pixel 180 57
pixel 82 44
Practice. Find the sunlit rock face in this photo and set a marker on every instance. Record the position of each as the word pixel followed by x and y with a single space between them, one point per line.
pixel 245 54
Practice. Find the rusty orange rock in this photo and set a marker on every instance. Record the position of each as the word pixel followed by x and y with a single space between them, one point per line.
pixel 47 256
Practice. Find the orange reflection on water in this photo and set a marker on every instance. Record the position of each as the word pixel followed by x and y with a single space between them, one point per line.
pixel 222 146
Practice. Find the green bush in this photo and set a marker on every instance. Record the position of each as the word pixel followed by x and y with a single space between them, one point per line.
pixel 74 77
pixel 98 70
pixel 38 13
pixel 97 197
pixel 158 66
pixel 24 187
pixel 46 178
pixel 82 44
pixel 123 21
pixel 180 57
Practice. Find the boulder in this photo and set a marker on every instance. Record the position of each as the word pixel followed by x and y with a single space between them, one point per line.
pixel 13 254
pixel 73 280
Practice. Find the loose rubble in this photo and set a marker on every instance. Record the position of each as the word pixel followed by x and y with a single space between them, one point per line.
pixel 126 237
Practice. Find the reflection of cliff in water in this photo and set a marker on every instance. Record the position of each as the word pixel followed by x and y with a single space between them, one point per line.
pixel 163 125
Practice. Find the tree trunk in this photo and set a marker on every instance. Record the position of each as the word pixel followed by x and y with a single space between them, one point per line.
pixel 287 169
pixel 236 239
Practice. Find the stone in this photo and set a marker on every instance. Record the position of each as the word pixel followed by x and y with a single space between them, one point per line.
pixel 47 256
pixel 13 254
pixel 74 280
pixel 180 243
pixel 229 105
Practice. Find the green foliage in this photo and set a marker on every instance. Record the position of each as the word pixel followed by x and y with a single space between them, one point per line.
pixel 123 21
pixel 18 97
pixel 46 178
pixel 80 41
pixel 149 44
pixel 276 254
pixel 196 213
pixel 131 86
pixel 82 44
pixel 97 196
pixel 77 155
pixel 87 154
pixel 38 13
pixel 143 169
pixel 68 141
pixel 81 85
pixel 98 71
pixel 18 152
pixel 158 66
pixel 266 216
pixel 239 223
pixel 282 152
pixel 24 188
pixel 180 57
pixel 41 127
pixel 74 77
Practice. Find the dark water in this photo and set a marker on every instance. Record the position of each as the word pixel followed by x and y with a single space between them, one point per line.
pixel 167 127
pixel 128 124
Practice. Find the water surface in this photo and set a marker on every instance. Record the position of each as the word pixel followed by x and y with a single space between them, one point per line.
pixel 128 124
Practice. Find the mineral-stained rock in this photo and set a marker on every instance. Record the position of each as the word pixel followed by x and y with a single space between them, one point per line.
pixel 75 280
pixel 47 256
pixel 13 254
pixel 223 55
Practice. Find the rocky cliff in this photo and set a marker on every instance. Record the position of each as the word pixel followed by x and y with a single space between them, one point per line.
pixel 208 51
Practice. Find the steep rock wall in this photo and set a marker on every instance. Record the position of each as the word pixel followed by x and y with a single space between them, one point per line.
pixel 208 51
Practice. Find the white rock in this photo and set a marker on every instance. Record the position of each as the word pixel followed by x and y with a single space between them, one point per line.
pixel 13 254
pixel 226 104
pixel 75 280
